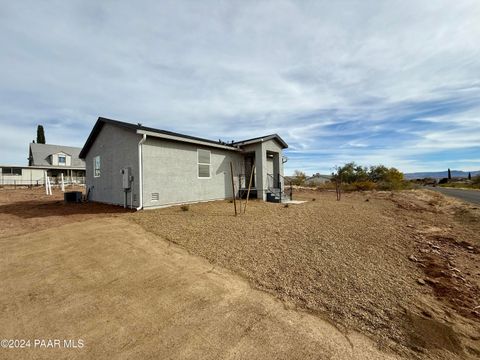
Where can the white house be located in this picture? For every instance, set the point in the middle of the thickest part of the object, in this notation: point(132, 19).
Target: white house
point(56, 160)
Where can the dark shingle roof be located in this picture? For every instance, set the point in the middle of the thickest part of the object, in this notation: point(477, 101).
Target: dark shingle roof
point(262, 138)
point(40, 154)
point(101, 121)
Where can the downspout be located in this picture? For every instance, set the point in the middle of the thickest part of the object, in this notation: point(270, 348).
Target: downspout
point(140, 171)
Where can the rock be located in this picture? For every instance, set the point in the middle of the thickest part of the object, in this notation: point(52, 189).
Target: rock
point(410, 226)
point(421, 281)
point(431, 281)
point(412, 258)
point(427, 313)
point(470, 247)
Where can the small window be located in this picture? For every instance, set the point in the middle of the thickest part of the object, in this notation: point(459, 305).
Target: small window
point(12, 171)
point(203, 163)
point(62, 160)
point(96, 166)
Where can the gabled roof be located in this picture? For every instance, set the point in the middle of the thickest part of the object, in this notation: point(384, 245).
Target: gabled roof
point(262, 139)
point(40, 153)
point(139, 129)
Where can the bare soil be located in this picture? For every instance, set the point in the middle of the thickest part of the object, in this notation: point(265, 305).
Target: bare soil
point(129, 294)
point(401, 267)
point(25, 210)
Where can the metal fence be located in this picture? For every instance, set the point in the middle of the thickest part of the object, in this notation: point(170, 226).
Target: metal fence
point(55, 181)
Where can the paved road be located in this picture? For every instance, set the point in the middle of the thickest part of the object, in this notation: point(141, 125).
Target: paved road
point(472, 196)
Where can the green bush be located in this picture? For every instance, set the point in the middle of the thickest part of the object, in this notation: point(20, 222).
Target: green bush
point(361, 178)
point(364, 185)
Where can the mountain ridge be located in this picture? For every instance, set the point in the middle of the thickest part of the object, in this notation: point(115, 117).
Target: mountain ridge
point(439, 174)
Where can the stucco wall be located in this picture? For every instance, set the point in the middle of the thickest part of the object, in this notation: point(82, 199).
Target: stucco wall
point(118, 148)
point(262, 165)
point(171, 170)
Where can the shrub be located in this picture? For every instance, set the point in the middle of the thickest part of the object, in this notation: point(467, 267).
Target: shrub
point(476, 180)
point(298, 178)
point(359, 178)
point(184, 207)
point(364, 185)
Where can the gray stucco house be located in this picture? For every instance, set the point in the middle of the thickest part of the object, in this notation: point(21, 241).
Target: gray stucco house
point(133, 165)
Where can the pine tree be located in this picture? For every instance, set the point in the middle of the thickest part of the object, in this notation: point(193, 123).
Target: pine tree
point(449, 174)
point(40, 135)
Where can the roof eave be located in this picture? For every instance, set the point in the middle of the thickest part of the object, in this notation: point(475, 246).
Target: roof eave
point(263, 139)
point(187, 140)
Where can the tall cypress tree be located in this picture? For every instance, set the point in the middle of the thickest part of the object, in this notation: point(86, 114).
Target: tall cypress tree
point(449, 174)
point(469, 176)
point(40, 135)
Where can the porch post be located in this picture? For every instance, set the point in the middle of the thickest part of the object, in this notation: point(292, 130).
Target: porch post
point(261, 171)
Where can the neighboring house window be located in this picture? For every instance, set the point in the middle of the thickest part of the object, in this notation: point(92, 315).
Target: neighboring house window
point(62, 159)
point(203, 163)
point(96, 166)
point(12, 171)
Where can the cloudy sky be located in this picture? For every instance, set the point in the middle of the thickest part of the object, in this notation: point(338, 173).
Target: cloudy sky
point(392, 82)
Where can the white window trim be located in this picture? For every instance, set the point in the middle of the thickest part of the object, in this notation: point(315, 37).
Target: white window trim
point(64, 157)
point(209, 165)
point(94, 166)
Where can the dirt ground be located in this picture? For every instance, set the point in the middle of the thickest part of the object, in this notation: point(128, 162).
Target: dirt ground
point(403, 268)
point(29, 209)
point(373, 275)
point(125, 293)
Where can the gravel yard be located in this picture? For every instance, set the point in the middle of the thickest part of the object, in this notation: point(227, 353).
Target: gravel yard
point(358, 262)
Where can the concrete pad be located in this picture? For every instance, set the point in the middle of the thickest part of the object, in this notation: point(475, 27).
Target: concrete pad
point(130, 294)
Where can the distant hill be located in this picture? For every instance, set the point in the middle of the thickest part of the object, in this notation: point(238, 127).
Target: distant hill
point(439, 174)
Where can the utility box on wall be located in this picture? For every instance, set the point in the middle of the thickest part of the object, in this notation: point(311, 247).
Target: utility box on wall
point(127, 178)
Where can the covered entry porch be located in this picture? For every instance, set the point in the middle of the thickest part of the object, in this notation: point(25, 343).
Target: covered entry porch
point(262, 177)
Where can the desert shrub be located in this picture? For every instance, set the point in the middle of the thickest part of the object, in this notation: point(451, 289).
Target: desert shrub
point(443, 181)
point(298, 178)
point(359, 178)
point(350, 173)
point(364, 185)
point(184, 207)
point(476, 180)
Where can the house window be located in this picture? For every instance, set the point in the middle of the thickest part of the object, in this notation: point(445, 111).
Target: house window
point(12, 171)
point(203, 163)
point(96, 166)
point(62, 159)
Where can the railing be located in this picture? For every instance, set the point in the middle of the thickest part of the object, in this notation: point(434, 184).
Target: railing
point(280, 186)
point(286, 184)
point(67, 180)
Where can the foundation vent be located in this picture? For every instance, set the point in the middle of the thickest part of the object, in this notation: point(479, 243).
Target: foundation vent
point(155, 197)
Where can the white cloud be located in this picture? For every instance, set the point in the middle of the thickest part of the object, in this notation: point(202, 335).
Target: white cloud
point(236, 69)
